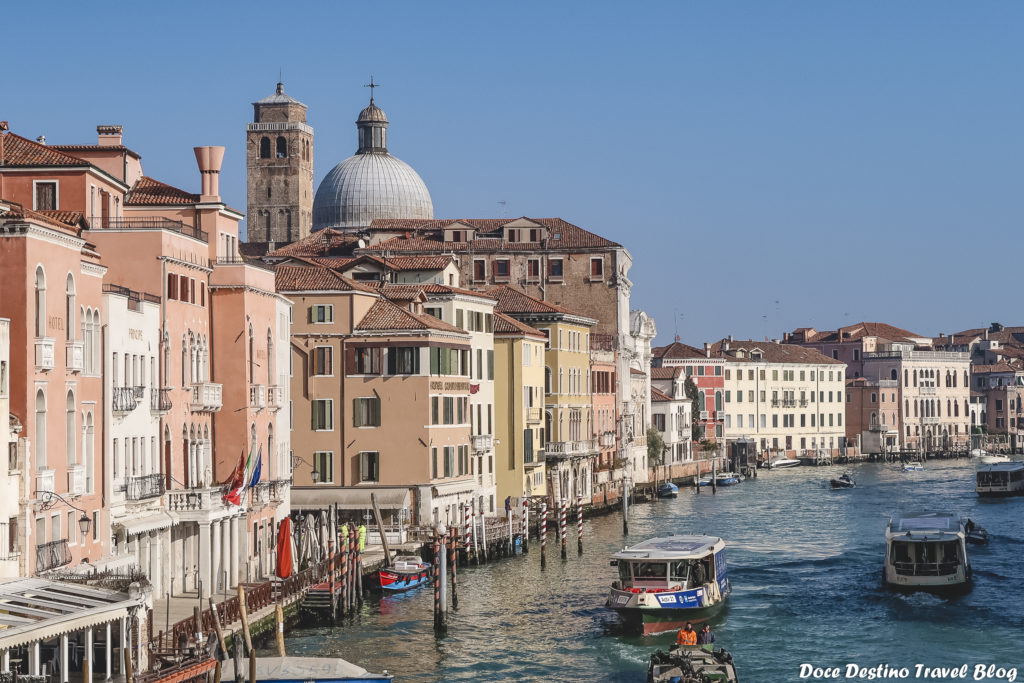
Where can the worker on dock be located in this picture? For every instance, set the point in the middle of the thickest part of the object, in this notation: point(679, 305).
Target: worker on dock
point(687, 636)
point(362, 536)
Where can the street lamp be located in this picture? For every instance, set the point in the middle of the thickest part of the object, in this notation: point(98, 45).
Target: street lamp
point(49, 498)
point(314, 475)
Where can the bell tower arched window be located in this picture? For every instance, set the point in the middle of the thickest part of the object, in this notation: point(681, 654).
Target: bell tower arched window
point(264, 148)
point(282, 147)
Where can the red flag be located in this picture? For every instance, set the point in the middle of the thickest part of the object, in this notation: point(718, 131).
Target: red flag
point(234, 485)
point(284, 549)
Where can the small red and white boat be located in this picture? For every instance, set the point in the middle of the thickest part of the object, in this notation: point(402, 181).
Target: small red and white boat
point(408, 571)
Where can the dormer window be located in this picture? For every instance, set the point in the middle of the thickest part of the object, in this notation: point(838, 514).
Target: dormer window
point(755, 355)
point(512, 236)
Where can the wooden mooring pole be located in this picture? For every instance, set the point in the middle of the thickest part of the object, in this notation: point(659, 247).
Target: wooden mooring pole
point(453, 554)
point(438, 616)
point(279, 618)
point(579, 525)
point(526, 526)
point(543, 534)
point(243, 614)
point(561, 527)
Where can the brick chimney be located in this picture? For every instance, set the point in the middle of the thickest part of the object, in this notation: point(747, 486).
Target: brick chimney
point(707, 349)
point(209, 160)
point(109, 136)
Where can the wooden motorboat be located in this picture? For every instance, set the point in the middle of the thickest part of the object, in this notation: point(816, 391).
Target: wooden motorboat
point(407, 571)
point(668, 490)
point(691, 664)
point(844, 481)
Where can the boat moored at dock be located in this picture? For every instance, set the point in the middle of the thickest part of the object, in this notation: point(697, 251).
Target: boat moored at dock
point(668, 490)
point(665, 582)
point(306, 670)
point(1000, 479)
point(926, 551)
point(407, 571)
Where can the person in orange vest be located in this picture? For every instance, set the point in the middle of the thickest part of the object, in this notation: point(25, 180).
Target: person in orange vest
point(687, 636)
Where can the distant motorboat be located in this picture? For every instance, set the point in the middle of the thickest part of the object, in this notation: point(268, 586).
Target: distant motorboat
point(728, 479)
point(974, 533)
point(668, 490)
point(783, 462)
point(845, 481)
point(913, 466)
point(993, 458)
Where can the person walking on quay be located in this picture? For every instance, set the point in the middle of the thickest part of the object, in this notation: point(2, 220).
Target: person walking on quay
point(706, 637)
point(687, 636)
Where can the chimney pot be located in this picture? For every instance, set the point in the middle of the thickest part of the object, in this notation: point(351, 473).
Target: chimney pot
point(209, 159)
point(109, 136)
point(707, 349)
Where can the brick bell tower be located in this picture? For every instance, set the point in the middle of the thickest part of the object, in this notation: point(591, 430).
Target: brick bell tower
point(279, 171)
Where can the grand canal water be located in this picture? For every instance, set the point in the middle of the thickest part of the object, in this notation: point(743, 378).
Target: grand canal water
point(805, 565)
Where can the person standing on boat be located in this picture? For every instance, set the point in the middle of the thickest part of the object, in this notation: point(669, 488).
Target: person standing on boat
point(697, 575)
point(687, 636)
point(706, 637)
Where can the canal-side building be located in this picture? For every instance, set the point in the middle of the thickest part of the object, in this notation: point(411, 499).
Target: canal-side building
point(706, 372)
point(52, 294)
point(380, 399)
point(785, 398)
point(873, 415)
point(12, 481)
point(605, 409)
point(671, 416)
point(518, 409)
point(569, 447)
point(636, 412)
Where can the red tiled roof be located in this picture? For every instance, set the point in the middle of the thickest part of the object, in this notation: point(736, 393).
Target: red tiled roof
point(660, 396)
point(560, 235)
point(512, 300)
point(384, 315)
point(312, 278)
point(670, 372)
point(434, 288)
point(95, 148)
point(335, 262)
point(990, 369)
point(771, 352)
point(861, 330)
point(327, 242)
point(677, 350)
point(150, 192)
point(19, 151)
point(504, 325)
point(398, 292)
point(19, 213)
point(73, 218)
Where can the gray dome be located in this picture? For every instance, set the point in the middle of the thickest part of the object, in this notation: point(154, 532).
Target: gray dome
point(367, 186)
point(370, 184)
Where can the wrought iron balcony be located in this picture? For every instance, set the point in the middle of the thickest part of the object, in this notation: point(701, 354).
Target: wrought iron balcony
point(44, 354)
point(207, 397)
point(145, 487)
point(148, 223)
point(75, 351)
point(276, 397)
point(52, 555)
point(160, 399)
point(482, 442)
point(124, 399)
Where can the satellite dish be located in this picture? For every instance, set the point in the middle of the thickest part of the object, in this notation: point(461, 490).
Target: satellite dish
point(361, 243)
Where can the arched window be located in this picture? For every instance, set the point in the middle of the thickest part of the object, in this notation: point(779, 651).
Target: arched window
point(282, 147)
point(40, 299)
point(88, 452)
point(547, 380)
point(949, 408)
point(915, 378)
point(893, 374)
point(70, 435)
point(874, 419)
point(40, 429)
point(966, 382)
point(264, 148)
point(906, 377)
point(69, 307)
point(954, 378)
point(96, 364)
point(184, 361)
point(718, 400)
point(167, 361)
point(956, 405)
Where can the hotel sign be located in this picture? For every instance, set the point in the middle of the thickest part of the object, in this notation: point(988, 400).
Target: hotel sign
point(449, 386)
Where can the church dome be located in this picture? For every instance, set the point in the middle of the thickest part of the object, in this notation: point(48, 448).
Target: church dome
point(371, 183)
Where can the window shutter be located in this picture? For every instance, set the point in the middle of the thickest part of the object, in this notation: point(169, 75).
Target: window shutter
point(350, 361)
point(375, 406)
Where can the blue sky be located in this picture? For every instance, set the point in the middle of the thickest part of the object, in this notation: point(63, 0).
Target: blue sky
point(769, 165)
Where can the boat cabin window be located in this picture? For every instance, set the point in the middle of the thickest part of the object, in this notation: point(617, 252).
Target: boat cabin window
point(649, 570)
point(927, 558)
point(679, 571)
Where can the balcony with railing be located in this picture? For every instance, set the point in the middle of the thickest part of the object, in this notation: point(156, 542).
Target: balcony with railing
point(534, 415)
point(559, 449)
point(44, 354)
point(258, 396)
point(482, 442)
point(259, 495)
point(276, 397)
point(933, 420)
point(194, 500)
point(148, 223)
point(124, 400)
point(52, 555)
point(76, 479)
point(207, 397)
point(8, 547)
point(145, 487)
point(75, 355)
point(278, 489)
point(928, 391)
point(160, 399)
point(607, 440)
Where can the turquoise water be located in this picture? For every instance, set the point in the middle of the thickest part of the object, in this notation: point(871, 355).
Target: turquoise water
point(805, 566)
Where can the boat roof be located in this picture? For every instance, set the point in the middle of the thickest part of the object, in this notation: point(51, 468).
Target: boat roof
point(1001, 467)
point(925, 521)
point(671, 548)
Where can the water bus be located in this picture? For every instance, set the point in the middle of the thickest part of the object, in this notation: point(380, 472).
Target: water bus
point(926, 551)
point(665, 582)
point(1000, 479)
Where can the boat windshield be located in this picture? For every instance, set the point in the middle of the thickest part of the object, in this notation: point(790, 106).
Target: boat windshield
point(928, 558)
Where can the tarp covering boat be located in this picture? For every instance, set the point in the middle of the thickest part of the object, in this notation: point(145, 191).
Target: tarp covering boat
point(304, 670)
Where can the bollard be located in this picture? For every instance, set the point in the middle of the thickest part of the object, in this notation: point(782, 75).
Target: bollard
point(561, 527)
point(525, 526)
point(579, 525)
point(543, 534)
point(455, 588)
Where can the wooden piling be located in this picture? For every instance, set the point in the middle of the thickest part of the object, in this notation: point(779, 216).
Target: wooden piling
point(526, 526)
point(343, 578)
point(129, 676)
point(243, 614)
point(239, 676)
point(252, 666)
point(217, 672)
point(453, 554)
point(579, 525)
point(625, 508)
point(467, 532)
point(218, 629)
point(359, 573)
point(561, 526)
point(438, 618)
point(279, 618)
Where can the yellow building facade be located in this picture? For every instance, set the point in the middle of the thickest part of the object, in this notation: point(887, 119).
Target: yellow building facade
point(519, 409)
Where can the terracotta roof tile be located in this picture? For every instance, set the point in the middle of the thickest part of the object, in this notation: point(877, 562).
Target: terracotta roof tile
point(671, 372)
point(677, 350)
point(511, 300)
point(19, 213)
point(19, 151)
point(327, 242)
point(150, 192)
point(861, 330)
point(312, 278)
point(504, 325)
point(429, 235)
point(384, 315)
point(771, 352)
point(991, 369)
point(660, 396)
point(73, 218)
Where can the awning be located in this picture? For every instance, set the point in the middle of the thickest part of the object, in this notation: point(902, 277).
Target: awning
point(349, 498)
point(141, 525)
point(37, 609)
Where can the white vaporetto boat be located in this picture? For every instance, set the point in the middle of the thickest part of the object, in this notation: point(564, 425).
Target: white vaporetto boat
point(926, 551)
point(1000, 479)
point(665, 582)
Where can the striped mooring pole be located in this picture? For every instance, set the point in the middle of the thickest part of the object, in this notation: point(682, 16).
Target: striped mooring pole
point(561, 526)
point(543, 534)
point(579, 525)
point(465, 507)
point(526, 525)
